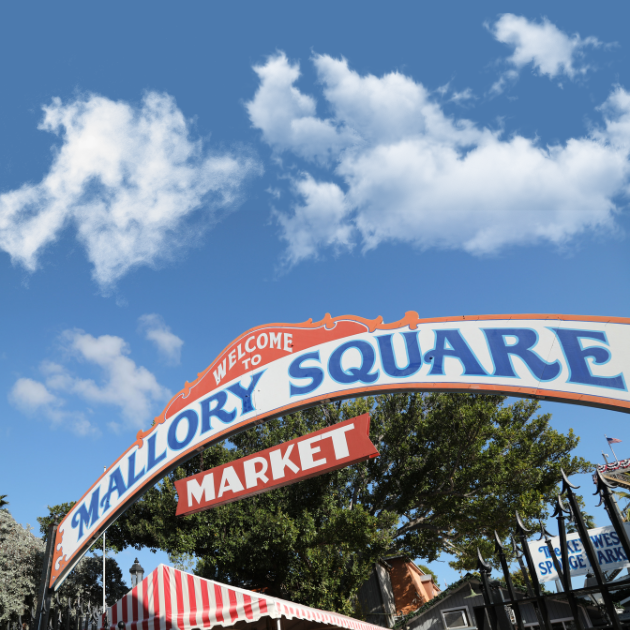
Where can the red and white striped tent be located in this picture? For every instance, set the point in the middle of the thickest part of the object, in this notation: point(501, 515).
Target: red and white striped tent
point(169, 599)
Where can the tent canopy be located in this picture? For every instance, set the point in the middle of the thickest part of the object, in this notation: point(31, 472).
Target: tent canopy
point(169, 599)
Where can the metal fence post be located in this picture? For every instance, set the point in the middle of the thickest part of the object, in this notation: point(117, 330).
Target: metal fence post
point(498, 547)
point(605, 494)
point(484, 570)
point(567, 488)
point(542, 605)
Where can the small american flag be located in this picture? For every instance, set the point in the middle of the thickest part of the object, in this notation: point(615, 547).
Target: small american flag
point(613, 441)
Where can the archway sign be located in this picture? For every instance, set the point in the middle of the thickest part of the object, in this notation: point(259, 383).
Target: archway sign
point(279, 368)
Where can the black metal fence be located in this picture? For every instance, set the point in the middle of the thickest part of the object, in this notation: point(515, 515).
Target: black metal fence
point(499, 613)
point(69, 614)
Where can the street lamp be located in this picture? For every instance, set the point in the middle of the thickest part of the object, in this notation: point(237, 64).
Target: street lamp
point(137, 573)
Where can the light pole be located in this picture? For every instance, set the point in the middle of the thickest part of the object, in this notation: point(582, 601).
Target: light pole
point(137, 573)
point(104, 600)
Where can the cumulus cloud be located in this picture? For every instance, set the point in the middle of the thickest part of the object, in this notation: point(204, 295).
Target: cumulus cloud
point(168, 344)
point(133, 389)
point(30, 395)
point(398, 169)
point(126, 178)
point(33, 398)
point(549, 50)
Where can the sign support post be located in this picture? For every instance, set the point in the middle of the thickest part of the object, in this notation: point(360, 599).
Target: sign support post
point(44, 593)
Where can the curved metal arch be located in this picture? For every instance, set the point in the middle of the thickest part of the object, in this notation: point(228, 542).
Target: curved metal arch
point(280, 368)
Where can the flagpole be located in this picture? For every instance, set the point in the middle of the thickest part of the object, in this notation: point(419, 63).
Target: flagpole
point(611, 448)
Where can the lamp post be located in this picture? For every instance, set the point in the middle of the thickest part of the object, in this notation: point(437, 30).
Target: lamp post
point(137, 573)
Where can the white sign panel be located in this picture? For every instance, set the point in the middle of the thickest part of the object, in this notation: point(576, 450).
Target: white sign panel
point(278, 368)
point(610, 553)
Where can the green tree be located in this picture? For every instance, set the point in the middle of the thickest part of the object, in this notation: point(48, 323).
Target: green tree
point(453, 467)
point(3, 500)
point(55, 515)
point(86, 581)
point(21, 556)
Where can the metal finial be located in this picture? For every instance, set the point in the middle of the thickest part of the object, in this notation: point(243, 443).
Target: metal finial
point(515, 548)
point(544, 532)
point(520, 525)
point(601, 483)
point(561, 509)
point(566, 484)
point(482, 564)
point(498, 546)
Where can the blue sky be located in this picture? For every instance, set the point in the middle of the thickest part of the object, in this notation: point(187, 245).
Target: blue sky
point(170, 177)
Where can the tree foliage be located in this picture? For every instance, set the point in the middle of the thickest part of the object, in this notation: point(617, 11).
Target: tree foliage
point(21, 555)
point(86, 581)
point(453, 467)
point(21, 559)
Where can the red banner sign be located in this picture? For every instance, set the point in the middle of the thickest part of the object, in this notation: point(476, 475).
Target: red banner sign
point(328, 449)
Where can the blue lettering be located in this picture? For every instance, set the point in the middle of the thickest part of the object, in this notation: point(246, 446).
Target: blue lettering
point(579, 368)
point(621, 554)
point(526, 340)
point(610, 556)
point(607, 540)
point(543, 569)
point(116, 484)
point(152, 460)
point(549, 564)
point(193, 422)
point(458, 349)
point(573, 562)
point(246, 394)
point(545, 550)
point(601, 558)
point(131, 474)
point(353, 375)
point(314, 373)
point(86, 517)
point(208, 412)
point(614, 537)
point(389, 360)
point(580, 560)
point(597, 540)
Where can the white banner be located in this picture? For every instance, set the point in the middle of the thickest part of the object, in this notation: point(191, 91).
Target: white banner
point(610, 553)
point(278, 368)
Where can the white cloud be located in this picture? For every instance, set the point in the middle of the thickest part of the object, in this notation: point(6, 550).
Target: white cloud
point(320, 221)
point(133, 389)
point(461, 97)
point(168, 344)
point(33, 398)
point(287, 117)
point(400, 170)
point(550, 51)
point(29, 395)
point(127, 178)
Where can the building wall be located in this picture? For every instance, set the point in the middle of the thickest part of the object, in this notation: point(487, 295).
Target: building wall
point(432, 618)
point(411, 586)
point(376, 597)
